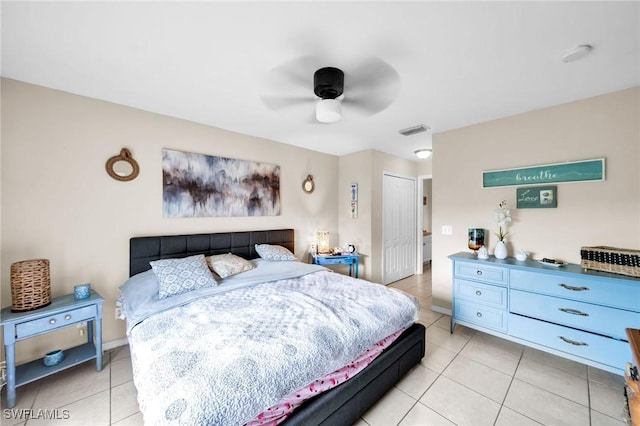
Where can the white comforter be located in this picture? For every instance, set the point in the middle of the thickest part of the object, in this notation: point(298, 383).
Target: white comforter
point(224, 358)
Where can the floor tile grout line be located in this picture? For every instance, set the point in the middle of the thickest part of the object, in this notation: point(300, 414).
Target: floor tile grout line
point(557, 368)
point(589, 397)
point(110, 385)
point(587, 406)
point(513, 377)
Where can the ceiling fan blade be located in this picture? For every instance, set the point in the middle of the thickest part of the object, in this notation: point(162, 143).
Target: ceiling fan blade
point(290, 84)
point(371, 87)
point(278, 103)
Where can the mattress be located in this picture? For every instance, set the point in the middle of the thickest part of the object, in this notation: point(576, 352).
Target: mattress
point(227, 354)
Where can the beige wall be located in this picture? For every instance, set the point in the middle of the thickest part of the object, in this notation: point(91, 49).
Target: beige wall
point(366, 168)
point(58, 202)
point(589, 213)
point(356, 168)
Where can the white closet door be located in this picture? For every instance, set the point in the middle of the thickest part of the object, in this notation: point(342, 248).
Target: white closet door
point(398, 227)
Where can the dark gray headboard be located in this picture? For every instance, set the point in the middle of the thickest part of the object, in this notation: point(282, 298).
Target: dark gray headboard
point(143, 250)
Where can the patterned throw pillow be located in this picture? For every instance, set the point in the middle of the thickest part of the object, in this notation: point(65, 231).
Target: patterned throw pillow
point(273, 252)
point(177, 276)
point(228, 264)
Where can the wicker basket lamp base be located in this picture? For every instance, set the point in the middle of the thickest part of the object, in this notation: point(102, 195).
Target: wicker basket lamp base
point(30, 285)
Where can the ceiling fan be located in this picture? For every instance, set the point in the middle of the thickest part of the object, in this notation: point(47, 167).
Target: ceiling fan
point(328, 85)
point(370, 88)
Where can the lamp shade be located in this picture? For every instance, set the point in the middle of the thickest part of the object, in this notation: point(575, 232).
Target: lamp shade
point(323, 242)
point(423, 153)
point(328, 110)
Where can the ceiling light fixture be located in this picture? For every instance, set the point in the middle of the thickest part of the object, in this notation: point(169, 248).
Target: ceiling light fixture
point(576, 53)
point(413, 130)
point(328, 110)
point(423, 154)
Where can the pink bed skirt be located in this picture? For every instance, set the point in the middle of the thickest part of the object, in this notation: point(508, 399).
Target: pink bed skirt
point(283, 409)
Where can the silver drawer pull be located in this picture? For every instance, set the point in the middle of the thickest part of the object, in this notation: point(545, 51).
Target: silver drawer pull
point(479, 314)
point(67, 317)
point(568, 287)
point(478, 272)
point(573, 342)
point(52, 321)
point(478, 293)
point(573, 312)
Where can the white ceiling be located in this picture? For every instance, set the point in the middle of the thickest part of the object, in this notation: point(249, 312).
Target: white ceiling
point(457, 63)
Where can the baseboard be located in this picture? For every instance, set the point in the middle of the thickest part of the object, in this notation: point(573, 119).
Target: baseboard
point(107, 346)
point(441, 310)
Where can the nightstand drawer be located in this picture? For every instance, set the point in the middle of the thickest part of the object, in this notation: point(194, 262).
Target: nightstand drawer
point(45, 324)
point(479, 272)
point(481, 315)
point(482, 293)
point(334, 260)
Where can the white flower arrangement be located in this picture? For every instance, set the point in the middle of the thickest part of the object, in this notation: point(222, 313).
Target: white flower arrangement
point(502, 216)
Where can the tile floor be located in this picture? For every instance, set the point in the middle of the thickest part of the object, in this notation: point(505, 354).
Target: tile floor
point(466, 378)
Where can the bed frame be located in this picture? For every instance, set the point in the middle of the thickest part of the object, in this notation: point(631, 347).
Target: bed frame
point(341, 405)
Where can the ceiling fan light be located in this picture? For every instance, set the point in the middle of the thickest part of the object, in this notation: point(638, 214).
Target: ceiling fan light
point(328, 110)
point(423, 154)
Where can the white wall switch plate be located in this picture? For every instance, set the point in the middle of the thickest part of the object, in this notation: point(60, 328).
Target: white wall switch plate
point(447, 230)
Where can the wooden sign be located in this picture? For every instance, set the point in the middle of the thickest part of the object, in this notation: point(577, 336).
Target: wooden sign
point(537, 197)
point(574, 171)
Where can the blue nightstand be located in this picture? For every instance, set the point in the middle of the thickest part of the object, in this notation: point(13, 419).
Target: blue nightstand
point(350, 259)
point(63, 312)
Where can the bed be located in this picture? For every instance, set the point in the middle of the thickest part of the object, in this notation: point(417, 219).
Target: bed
point(298, 286)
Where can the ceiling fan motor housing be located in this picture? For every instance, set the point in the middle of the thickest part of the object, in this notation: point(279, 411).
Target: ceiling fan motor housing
point(328, 83)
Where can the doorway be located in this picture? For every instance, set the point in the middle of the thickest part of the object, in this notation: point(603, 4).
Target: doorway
point(398, 227)
point(424, 215)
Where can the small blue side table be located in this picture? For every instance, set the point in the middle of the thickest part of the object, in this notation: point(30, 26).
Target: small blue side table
point(63, 312)
point(350, 259)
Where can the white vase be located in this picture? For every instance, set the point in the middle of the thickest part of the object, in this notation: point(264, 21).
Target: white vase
point(501, 250)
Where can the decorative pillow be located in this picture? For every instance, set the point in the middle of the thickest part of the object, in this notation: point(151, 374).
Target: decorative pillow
point(228, 264)
point(273, 252)
point(177, 276)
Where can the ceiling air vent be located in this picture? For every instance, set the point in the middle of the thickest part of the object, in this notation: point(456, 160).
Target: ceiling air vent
point(413, 130)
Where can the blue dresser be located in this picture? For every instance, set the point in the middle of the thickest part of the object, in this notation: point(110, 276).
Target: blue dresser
point(568, 311)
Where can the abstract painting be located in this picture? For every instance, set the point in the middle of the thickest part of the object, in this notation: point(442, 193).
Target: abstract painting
point(197, 185)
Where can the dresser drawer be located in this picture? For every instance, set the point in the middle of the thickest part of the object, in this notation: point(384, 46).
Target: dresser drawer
point(605, 350)
point(483, 316)
point(481, 272)
point(615, 293)
point(585, 316)
point(486, 294)
point(45, 324)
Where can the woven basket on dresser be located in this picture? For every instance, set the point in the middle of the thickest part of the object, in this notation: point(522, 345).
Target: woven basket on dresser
point(611, 259)
point(30, 285)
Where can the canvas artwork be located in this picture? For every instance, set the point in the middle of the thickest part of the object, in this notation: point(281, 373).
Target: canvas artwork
point(198, 185)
